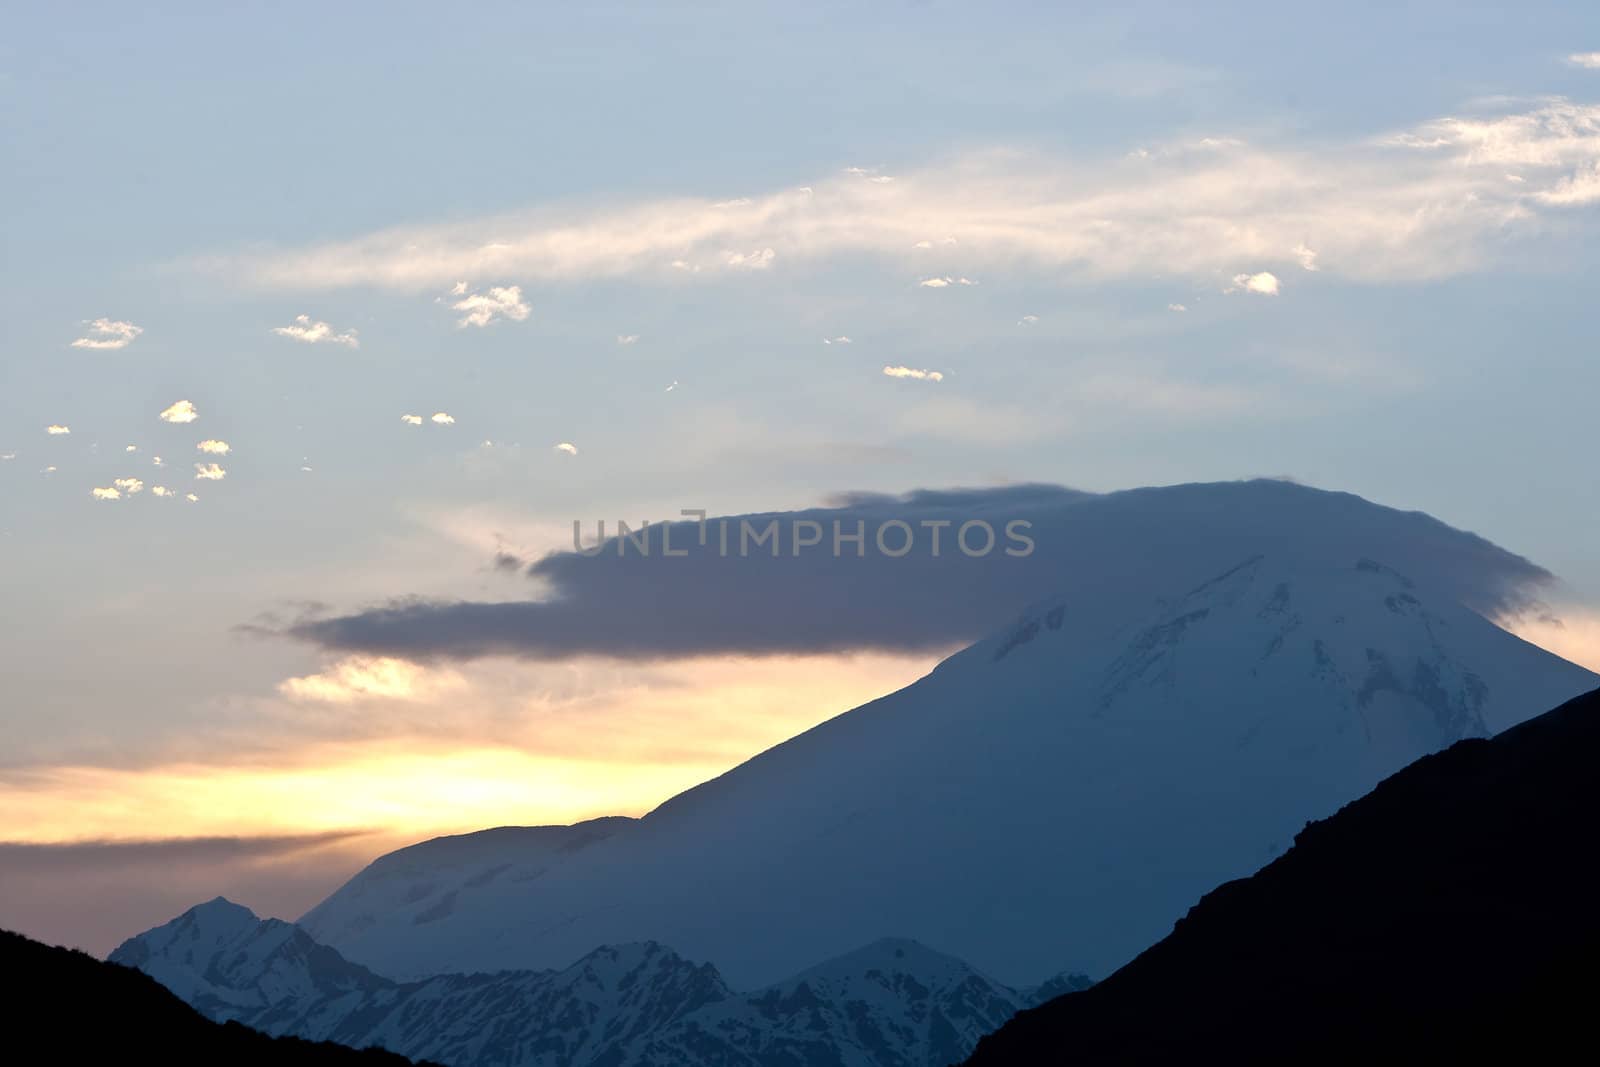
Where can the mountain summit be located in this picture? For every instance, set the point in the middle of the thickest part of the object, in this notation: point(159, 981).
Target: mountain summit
point(1050, 798)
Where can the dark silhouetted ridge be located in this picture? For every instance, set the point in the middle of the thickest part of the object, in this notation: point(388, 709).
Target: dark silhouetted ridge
point(65, 1006)
point(1453, 913)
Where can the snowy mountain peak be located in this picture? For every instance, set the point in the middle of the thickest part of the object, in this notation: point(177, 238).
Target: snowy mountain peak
point(1052, 797)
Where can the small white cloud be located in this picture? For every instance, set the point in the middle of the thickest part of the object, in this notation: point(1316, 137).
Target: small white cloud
point(673, 386)
point(760, 259)
point(108, 333)
point(131, 448)
point(458, 289)
point(923, 244)
point(1517, 178)
point(209, 472)
point(306, 469)
point(128, 485)
point(443, 418)
point(1586, 60)
point(1306, 256)
point(500, 302)
point(1028, 320)
point(48, 470)
point(214, 448)
point(158, 461)
point(1265, 284)
point(742, 201)
point(914, 373)
point(411, 420)
point(840, 340)
point(57, 431)
point(182, 411)
point(944, 282)
point(311, 332)
point(571, 449)
point(161, 490)
point(684, 265)
point(106, 493)
point(190, 497)
point(7, 457)
point(627, 338)
point(1177, 307)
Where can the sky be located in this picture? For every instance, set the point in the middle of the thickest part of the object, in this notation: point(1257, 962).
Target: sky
point(312, 309)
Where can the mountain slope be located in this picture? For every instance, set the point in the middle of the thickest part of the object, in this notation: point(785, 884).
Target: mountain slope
point(891, 1004)
point(1448, 915)
point(1049, 797)
point(68, 1007)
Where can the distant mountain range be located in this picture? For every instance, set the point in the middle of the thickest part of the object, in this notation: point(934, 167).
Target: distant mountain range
point(1046, 800)
point(1050, 797)
point(64, 1006)
point(1450, 916)
point(891, 1004)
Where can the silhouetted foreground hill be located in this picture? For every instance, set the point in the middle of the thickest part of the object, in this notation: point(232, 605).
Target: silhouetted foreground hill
point(64, 1006)
point(1453, 913)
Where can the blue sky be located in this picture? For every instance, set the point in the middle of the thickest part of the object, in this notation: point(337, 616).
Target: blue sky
point(1348, 244)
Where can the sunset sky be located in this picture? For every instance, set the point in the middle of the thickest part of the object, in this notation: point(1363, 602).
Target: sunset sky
point(313, 308)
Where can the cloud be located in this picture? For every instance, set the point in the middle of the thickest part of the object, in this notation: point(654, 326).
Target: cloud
point(6, 457)
point(1115, 552)
point(181, 412)
point(1583, 187)
point(944, 282)
point(209, 472)
point(161, 490)
point(106, 493)
point(1306, 256)
point(131, 448)
point(627, 338)
point(840, 340)
point(443, 418)
point(358, 678)
point(191, 498)
point(480, 309)
point(912, 372)
point(56, 430)
point(1264, 284)
point(311, 332)
point(214, 447)
point(1028, 320)
point(571, 449)
point(1177, 307)
point(1586, 60)
point(108, 333)
point(129, 485)
point(411, 420)
point(1423, 202)
point(760, 259)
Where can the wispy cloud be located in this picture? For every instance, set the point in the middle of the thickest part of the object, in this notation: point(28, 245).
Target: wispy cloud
point(311, 332)
point(944, 282)
point(1177, 307)
point(912, 372)
point(108, 333)
point(214, 447)
point(357, 678)
point(627, 338)
point(129, 485)
point(1586, 60)
point(57, 430)
point(840, 340)
point(209, 472)
point(181, 412)
point(499, 302)
point(411, 420)
point(1419, 203)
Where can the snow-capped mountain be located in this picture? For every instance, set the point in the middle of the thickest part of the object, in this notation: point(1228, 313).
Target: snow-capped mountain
point(891, 1004)
point(1052, 797)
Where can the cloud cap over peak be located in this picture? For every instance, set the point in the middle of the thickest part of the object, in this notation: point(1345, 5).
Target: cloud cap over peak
point(893, 592)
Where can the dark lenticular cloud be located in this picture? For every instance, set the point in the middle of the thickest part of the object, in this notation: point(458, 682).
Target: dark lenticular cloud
point(1099, 551)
